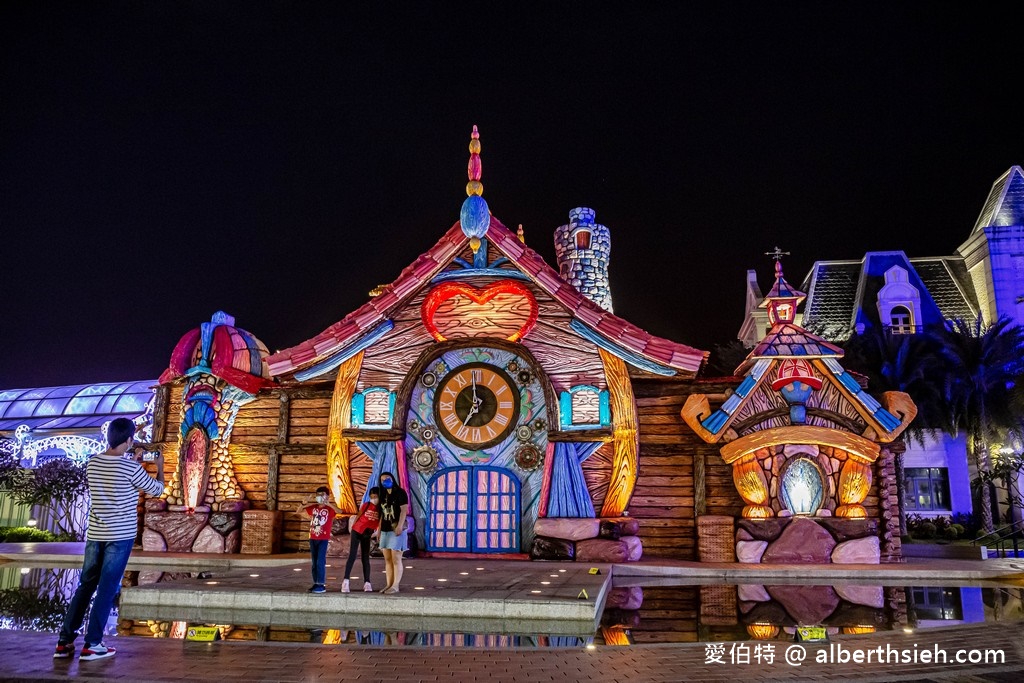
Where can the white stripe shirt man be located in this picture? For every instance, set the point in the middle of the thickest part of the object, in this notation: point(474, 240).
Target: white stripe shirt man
point(114, 485)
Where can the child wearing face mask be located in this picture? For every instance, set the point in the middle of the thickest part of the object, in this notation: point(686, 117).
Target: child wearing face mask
point(321, 513)
point(363, 529)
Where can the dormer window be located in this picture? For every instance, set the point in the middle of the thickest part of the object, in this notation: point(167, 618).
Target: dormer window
point(583, 239)
point(899, 303)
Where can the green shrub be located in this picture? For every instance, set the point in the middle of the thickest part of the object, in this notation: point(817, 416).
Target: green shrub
point(925, 531)
point(950, 533)
point(26, 534)
point(961, 531)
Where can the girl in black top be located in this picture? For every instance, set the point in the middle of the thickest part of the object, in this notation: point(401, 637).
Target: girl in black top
point(394, 537)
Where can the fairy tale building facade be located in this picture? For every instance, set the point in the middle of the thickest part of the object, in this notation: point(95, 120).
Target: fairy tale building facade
point(521, 414)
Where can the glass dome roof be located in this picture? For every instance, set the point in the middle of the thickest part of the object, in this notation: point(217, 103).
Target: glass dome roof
point(70, 407)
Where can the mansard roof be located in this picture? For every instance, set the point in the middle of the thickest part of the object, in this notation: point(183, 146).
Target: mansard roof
point(1005, 203)
point(844, 293)
point(369, 322)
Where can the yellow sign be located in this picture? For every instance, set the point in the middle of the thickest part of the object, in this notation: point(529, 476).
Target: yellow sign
point(811, 634)
point(583, 595)
point(202, 633)
point(595, 570)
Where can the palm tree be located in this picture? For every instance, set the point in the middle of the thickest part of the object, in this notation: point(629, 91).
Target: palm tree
point(983, 366)
point(907, 363)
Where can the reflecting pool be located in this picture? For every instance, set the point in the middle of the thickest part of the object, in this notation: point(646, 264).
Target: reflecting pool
point(636, 611)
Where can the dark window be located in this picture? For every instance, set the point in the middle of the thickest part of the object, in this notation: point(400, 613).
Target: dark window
point(935, 602)
point(926, 488)
point(583, 239)
point(900, 321)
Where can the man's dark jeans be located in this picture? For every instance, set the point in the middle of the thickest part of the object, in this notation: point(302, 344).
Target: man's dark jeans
point(102, 571)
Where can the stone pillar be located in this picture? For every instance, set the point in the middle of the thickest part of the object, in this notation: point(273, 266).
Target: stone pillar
point(889, 506)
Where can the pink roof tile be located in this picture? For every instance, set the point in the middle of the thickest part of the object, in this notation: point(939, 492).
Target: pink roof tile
point(590, 315)
point(419, 272)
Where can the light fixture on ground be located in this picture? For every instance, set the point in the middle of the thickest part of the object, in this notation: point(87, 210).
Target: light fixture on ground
point(32, 521)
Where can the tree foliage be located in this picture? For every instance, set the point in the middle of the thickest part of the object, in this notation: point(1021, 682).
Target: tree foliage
point(57, 485)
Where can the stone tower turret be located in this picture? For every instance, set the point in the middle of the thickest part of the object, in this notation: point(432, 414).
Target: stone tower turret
point(582, 249)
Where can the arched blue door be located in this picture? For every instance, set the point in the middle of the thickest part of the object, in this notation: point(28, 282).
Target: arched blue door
point(473, 509)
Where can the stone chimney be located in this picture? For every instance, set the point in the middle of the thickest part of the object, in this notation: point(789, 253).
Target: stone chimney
point(582, 249)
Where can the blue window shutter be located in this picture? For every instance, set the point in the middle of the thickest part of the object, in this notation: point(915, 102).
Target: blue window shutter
point(604, 406)
point(565, 409)
point(391, 408)
point(358, 410)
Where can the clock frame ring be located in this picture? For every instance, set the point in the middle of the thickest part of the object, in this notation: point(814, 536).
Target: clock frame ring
point(451, 417)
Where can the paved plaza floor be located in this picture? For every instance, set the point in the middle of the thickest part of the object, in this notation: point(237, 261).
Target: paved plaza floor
point(161, 659)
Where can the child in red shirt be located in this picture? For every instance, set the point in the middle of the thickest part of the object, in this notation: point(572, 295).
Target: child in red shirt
point(321, 514)
point(365, 527)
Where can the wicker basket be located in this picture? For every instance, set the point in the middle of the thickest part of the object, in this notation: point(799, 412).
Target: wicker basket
point(716, 540)
point(261, 532)
point(718, 605)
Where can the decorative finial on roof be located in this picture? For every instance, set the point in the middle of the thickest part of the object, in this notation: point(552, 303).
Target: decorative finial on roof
point(783, 298)
point(475, 216)
point(520, 234)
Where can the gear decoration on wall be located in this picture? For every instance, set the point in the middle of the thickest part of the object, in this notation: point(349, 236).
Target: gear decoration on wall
point(524, 433)
point(414, 425)
point(524, 377)
point(539, 425)
point(428, 433)
point(512, 367)
point(424, 459)
point(528, 458)
point(428, 379)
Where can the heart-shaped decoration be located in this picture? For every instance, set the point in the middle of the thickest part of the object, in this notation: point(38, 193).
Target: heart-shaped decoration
point(505, 309)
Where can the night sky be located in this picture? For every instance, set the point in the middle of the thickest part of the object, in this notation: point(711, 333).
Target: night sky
point(163, 160)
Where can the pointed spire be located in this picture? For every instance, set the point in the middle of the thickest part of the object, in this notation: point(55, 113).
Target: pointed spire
point(475, 216)
point(782, 300)
point(520, 234)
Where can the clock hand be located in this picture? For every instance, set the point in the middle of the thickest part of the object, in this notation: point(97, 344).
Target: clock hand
point(472, 411)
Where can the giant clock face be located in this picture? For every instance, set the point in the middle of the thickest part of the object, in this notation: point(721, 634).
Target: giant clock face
point(476, 405)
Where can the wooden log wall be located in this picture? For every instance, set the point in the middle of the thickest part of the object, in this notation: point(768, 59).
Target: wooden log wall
point(278, 447)
point(668, 495)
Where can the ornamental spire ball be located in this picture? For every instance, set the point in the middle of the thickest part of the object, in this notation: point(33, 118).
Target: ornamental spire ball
point(475, 217)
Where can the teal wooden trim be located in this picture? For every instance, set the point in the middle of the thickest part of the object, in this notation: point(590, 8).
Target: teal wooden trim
point(479, 272)
point(603, 405)
point(339, 357)
point(565, 410)
point(633, 359)
point(358, 409)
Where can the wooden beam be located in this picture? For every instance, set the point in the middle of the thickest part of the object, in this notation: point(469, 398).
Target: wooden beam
point(626, 460)
point(338, 466)
point(283, 418)
point(273, 475)
point(160, 407)
point(359, 434)
point(853, 444)
point(700, 497)
point(604, 435)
